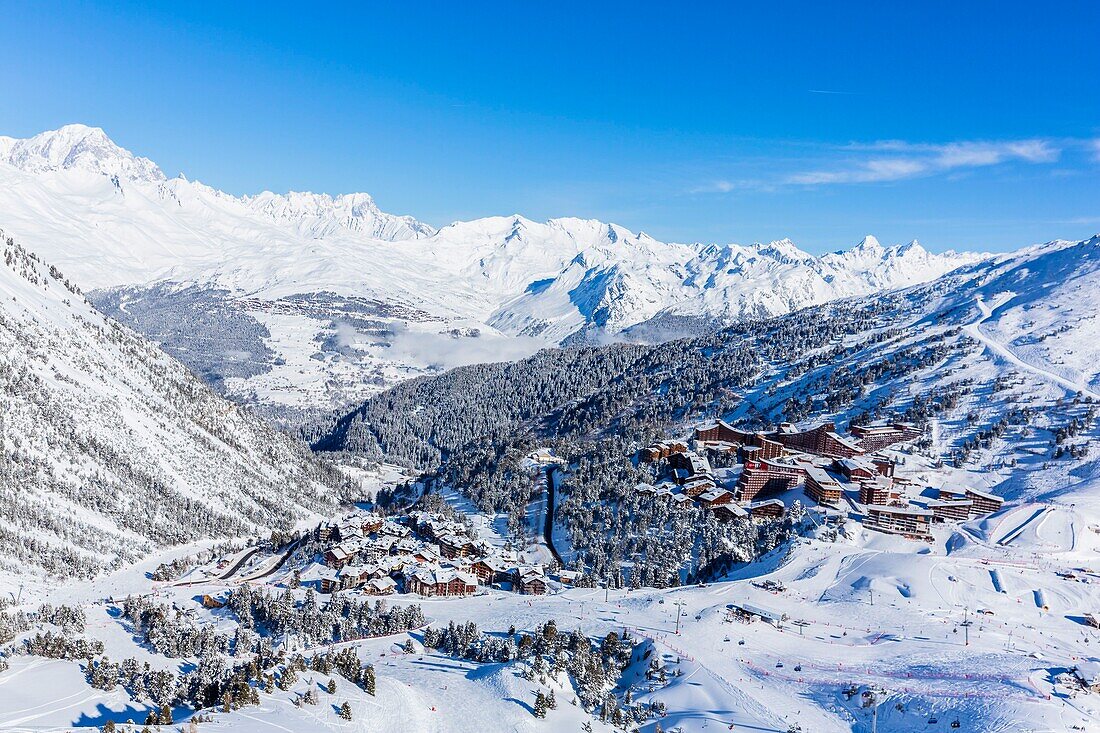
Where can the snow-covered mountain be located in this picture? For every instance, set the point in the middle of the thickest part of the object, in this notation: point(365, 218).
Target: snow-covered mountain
point(109, 448)
point(343, 298)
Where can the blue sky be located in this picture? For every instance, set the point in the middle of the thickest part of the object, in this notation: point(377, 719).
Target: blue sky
point(965, 125)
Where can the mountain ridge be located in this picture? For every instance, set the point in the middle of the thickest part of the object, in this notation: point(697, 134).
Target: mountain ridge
point(502, 285)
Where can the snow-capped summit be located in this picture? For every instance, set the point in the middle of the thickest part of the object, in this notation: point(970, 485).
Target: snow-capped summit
point(500, 275)
point(77, 147)
point(317, 215)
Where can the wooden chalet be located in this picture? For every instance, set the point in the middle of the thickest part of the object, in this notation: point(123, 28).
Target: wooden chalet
point(714, 498)
point(489, 570)
point(767, 509)
point(380, 586)
point(729, 512)
point(855, 469)
point(441, 582)
point(530, 581)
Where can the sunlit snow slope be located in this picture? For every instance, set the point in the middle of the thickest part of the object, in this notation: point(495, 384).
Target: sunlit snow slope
point(336, 298)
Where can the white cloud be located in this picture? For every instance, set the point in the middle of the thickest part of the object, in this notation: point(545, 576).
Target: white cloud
point(913, 160)
point(1095, 145)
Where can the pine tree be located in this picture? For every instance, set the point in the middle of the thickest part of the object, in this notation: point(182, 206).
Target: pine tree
point(109, 727)
point(540, 706)
point(368, 679)
point(331, 686)
point(345, 711)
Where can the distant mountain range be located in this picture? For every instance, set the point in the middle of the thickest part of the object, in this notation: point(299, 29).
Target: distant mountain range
point(322, 300)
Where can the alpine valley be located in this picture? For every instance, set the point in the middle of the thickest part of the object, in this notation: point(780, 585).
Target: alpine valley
point(289, 462)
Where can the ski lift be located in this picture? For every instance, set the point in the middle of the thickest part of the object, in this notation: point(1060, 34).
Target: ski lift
point(741, 643)
point(955, 723)
point(798, 668)
point(933, 720)
point(726, 639)
point(778, 665)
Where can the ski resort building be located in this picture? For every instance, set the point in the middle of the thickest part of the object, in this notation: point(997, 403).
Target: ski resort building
point(877, 436)
point(822, 440)
point(767, 509)
point(771, 476)
point(907, 521)
point(983, 502)
point(878, 490)
point(823, 488)
point(530, 581)
point(950, 511)
point(715, 498)
point(441, 582)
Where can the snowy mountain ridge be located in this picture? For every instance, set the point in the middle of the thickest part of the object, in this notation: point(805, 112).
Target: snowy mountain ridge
point(109, 449)
point(507, 284)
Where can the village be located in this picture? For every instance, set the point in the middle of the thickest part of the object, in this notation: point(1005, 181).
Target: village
point(761, 475)
point(422, 553)
point(842, 476)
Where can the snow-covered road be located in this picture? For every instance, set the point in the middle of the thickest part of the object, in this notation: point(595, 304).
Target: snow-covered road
point(975, 330)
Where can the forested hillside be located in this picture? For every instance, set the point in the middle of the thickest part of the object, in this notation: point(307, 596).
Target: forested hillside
point(110, 448)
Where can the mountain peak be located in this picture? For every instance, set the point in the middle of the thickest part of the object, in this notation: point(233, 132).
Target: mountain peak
point(77, 147)
point(870, 243)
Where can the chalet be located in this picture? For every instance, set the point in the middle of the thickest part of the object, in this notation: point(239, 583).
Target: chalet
point(328, 582)
point(428, 554)
point(340, 555)
point(569, 577)
point(351, 576)
point(380, 586)
point(453, 546)
point(441, 582)
point(983, 502)
point(877, 436)
point(691, 462)
point(662, 450)
point(878, 490)
point(729, 512)
point(681, 501)
point(530, 581)
point(324, 531)
point(393, 529)
point(715, 498)
point(950, 511)
point(490, 570)
point(209, 601)
point(698, 484)
point(907, 521)
point(767, 509)
point(372, 523)
point(823, 488)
